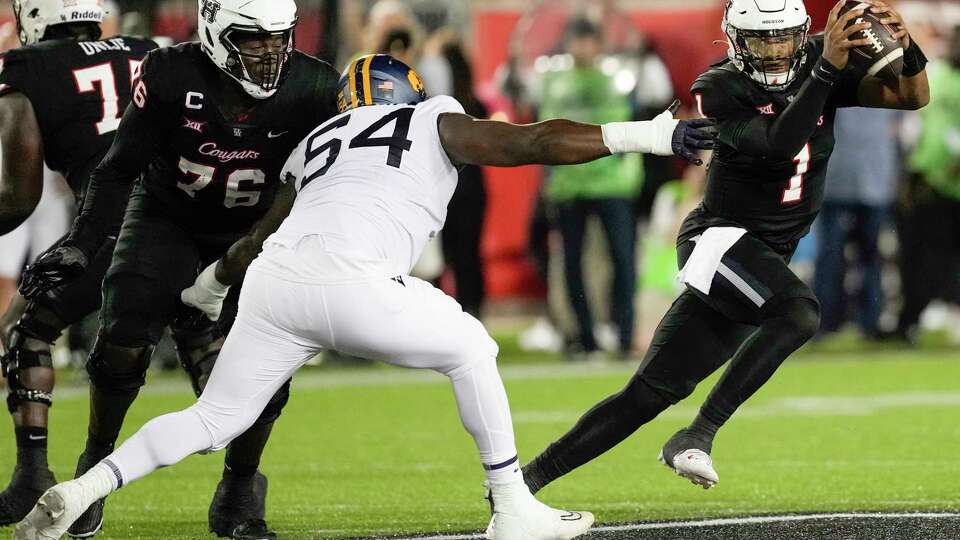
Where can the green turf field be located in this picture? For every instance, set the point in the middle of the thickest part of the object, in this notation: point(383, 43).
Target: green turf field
point(380, 451)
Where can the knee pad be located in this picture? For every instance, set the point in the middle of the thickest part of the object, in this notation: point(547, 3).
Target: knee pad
point(113, 368)
point(197, 349)
point(275, 407)
point(801, 313)
point(29, 347)
point(648, 394)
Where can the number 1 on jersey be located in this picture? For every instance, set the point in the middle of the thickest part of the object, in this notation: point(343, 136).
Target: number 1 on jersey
point(794, 191)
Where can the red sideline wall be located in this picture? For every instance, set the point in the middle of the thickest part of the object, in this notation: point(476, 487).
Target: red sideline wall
point(683, 37)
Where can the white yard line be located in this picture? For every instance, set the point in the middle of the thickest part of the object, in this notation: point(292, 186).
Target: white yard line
point(725, 522)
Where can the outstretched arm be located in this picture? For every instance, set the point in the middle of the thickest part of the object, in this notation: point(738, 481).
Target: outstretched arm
point(470, 141)
point(22, 183)
point(212, 285)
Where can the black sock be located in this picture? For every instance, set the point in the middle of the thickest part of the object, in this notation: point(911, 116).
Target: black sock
point(604, 426)
point(244, 452)
point(703, 428)
point(31, 446)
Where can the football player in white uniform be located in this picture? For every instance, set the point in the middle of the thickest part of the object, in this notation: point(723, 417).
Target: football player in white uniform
point(372, 188)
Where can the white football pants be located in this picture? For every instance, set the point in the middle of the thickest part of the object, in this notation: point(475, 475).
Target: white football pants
point(282, 324)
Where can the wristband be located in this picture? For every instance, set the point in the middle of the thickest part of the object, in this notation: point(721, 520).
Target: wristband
point(647, 137)
point(914, 61)
point(826, 72)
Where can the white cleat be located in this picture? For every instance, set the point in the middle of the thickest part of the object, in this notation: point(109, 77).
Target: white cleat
point(694, 465)
point(53, 514)
point(517, 515)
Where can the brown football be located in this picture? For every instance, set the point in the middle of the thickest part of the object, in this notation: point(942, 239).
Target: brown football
point(883, 58)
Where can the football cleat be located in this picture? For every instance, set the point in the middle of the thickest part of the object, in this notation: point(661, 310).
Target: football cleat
point(238, 508)
point(517, 515)
point(26, 487)
point(690, 458)
point(53, 514)
point(90, 522)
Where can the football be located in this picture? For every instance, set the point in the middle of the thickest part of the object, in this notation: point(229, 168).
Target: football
point(883, 58)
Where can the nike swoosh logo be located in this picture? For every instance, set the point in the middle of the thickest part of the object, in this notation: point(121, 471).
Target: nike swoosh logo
point(272, 135)
point(571, 516)
point(35, 438)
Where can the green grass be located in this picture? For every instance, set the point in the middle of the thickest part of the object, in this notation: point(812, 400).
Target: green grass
point(381, 451)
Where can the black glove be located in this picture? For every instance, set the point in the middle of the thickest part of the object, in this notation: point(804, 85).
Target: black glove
point(691, 136)
point(60, 265)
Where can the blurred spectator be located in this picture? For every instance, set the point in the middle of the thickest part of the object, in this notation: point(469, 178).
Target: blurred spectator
point(464, 228)
point(861, 188)
point(605, 188)
point(930, 246)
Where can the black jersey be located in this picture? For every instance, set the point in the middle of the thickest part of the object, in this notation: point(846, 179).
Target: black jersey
point(78, 90)
point(776, 199)
point(218, 174)
point(207, 170)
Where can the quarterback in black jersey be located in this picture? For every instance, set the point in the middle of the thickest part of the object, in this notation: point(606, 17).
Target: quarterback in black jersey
point(210, 125)
point(61, 96)
point(774, 100)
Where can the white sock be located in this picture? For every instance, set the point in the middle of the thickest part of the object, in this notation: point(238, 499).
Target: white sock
point(485, 412)
point(101, 480)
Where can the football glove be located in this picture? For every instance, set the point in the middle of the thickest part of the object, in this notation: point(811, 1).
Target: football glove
point(206, 294)
point(52, 269)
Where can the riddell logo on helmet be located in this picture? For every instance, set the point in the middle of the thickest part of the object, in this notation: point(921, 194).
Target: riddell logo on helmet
point(777, 21)
point(84, 15)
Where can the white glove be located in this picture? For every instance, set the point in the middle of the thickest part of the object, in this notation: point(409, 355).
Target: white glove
point(206, 293)
point(647, 137)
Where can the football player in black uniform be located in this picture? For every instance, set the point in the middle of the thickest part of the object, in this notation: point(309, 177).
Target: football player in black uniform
point(209, 128)
point(61, 96)
point(774, 100)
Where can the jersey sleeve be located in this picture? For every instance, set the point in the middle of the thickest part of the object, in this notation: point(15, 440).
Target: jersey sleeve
point(16, 67)
point(715, 101)
point(293, 168)
point(435, 106)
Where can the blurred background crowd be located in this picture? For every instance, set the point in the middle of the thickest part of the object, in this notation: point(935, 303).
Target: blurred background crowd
point(581, 259)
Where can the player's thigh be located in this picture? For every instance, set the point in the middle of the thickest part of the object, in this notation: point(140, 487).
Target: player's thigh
point(154, 260)
point(751, 276)
point(261, 351)
point(410, 324)
point(691, 342)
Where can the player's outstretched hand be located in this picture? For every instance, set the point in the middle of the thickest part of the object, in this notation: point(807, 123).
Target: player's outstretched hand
point(52, 269)
point(206, 293)
point(836, 41)
point(692, 136)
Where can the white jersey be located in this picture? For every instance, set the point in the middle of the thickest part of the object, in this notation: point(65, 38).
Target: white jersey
point(373, 186)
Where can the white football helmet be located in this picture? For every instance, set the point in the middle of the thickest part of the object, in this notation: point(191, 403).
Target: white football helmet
point(35, 16)
point(766, 39)
point(223, 22)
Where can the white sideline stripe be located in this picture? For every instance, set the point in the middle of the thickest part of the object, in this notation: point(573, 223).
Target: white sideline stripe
point(723, 522)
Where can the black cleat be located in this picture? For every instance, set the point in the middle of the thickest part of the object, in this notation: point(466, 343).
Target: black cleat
point(26, 486)
point(253, 529)
point(238, 508)
point(91, 521)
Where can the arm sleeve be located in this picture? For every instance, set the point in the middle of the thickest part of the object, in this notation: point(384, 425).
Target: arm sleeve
point(777, 137)
point(15, 70)
point(134, 147)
